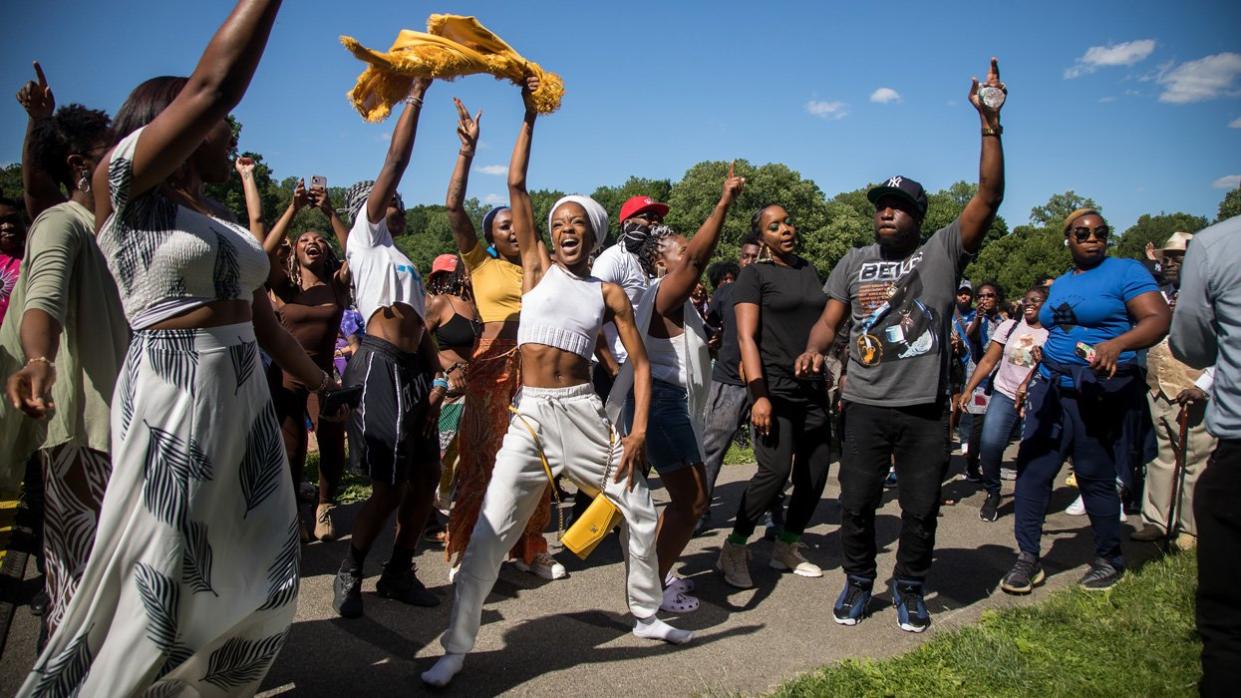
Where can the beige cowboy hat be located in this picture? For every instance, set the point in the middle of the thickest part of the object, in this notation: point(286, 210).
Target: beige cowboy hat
point(1179, 242)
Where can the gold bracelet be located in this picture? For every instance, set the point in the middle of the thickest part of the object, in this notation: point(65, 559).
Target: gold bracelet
point(42, 360)
point(988, 131)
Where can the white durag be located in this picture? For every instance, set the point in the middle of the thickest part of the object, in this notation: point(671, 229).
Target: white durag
point(594, 211)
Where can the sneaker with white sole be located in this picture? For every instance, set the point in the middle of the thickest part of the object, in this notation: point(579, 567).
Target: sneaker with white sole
point(787, 556)
point(734, 562)
point(850, 606)
point(452, 573)
point(544, 565)
point(911, 613)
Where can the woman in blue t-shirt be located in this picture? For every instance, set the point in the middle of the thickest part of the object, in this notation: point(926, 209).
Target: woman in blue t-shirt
point(1087, 400)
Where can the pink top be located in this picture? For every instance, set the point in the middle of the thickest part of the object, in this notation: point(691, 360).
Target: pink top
point(10, 267)
point(1019, 340)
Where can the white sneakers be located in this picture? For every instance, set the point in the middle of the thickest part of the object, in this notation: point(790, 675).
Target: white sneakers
point(544, 565)
point(1078, 508)
point(787, 556)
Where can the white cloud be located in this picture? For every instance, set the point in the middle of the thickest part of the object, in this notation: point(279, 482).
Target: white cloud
point(1235, 123)
point(834, 111)
point(1203, 79)
point(1106, 100)
point(1126, 53)
point(493, 169)
point(1228, 182)
point(885, 95)
point(493, 199)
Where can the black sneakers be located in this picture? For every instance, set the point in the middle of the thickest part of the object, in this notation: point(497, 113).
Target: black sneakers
point(990, 510)
point(850, 606)
point(403, 585)
point(347, 593)
point(1102, 575)
point(911, 613)
point(1026, 574)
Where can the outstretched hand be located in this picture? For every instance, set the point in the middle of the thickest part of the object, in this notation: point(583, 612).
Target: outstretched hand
point(300, 197)
point(528, 89)
point(36, 97)
point(244, 166)
point(733, 185)
point(988, 112)
point(467, 128)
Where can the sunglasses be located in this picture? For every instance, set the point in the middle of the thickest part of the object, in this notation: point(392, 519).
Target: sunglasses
point(649, 217)
point(1083, 234)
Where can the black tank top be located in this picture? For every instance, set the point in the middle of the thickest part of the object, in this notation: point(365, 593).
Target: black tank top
point(458, 333)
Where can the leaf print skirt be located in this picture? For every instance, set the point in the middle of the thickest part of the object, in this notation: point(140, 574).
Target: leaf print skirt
point(192, 581)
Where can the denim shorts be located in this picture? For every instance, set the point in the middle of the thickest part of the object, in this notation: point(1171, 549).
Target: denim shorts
point(670, 441)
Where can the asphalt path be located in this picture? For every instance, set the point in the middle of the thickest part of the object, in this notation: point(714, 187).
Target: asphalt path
point(572, 636)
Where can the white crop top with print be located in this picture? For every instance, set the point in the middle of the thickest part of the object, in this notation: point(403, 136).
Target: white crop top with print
point(168, 258)
point(382, 274)
point(563, 311)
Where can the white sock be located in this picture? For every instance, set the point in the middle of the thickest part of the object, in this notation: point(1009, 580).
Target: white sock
point(445, 668)
point(655, 629)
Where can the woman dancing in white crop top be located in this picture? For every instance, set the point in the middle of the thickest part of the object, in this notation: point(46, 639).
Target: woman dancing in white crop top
point(562, 310)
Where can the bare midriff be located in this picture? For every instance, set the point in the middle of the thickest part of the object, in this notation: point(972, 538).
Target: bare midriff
point(548, 367)
point(399, 325)
point(501, 329)
point(213, 314)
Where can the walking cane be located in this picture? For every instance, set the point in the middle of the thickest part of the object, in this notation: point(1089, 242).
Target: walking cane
point(1178, 476)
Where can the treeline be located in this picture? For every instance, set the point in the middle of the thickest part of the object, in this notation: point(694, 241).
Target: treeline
point(826, 226)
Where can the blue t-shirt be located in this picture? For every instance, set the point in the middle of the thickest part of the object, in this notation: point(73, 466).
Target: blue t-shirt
point(1090, 308)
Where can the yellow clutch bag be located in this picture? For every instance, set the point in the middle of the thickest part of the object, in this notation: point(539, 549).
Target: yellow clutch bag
point(591, 527)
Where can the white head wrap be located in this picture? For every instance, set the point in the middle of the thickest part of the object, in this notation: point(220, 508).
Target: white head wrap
point(594, 211)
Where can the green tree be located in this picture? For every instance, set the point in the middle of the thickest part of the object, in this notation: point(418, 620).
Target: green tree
point(1230, 206)
point(11, 181)
point(946, 205)
point(1017, 259)
point(1058, 207)
point(1156, 229)
point(694, 197)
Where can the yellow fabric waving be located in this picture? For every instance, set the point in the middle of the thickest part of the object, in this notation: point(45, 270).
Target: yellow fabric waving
point(453, 46)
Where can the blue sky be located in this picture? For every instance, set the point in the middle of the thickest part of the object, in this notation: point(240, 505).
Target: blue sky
point(1136, 104)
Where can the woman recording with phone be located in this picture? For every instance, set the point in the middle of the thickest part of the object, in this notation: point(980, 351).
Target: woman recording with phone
point(1088, 399)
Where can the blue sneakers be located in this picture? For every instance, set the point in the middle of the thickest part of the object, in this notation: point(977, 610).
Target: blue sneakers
point(911, 613)
point(850, 606)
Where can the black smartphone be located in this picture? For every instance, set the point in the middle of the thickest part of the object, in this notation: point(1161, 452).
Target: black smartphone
point(333, 400)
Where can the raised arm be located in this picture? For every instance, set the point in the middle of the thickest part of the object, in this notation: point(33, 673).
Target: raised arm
point(216, 86)
point(822, 335)
point(678, 285)
point(322, 200)
point(981, 209)
point(278, 231)
point(462, 227)
point(254, 202)
point(399, 152)
point(619, 311)
point(534, 257)
point(39, 188)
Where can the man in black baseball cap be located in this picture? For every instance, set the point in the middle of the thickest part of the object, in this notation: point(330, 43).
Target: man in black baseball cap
point(901, 295)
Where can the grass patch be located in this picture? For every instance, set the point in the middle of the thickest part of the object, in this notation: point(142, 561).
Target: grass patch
point(353, 487)
point(739, 455)
point(1136, 640)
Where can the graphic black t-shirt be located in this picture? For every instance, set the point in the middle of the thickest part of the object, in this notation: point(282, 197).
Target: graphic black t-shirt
point(790, 300)
point(729, 358)
point(902, 315)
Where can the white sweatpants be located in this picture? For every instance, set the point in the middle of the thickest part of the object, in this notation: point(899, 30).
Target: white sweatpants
point(576, 437)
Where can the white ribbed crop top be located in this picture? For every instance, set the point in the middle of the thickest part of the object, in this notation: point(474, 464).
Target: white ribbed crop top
point(168, 258)
point(563, 311)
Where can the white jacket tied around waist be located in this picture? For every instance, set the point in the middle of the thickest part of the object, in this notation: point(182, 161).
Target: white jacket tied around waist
point(697, 365)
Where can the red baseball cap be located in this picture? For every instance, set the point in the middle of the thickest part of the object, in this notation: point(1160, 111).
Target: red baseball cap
point(638, 204)
point(444, 262)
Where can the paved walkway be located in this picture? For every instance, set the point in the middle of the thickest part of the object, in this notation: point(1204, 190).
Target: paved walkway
point(571, 636)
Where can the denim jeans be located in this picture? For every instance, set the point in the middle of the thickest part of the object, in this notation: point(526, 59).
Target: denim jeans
point(996, 430)
point(726, 413)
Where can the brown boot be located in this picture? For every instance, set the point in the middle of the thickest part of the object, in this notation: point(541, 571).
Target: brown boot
point(324, 530)
point(1149, 533)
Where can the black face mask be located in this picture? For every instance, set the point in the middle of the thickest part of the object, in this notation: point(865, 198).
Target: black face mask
point(634, 234)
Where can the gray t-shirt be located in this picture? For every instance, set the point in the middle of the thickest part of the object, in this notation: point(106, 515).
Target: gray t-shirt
point(902, 317)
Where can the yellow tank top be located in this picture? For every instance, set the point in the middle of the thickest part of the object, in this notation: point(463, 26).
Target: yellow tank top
point(496, 283)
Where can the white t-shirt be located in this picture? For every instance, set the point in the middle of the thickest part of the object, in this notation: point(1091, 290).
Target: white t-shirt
point(619, 266)
point(382, 274)
point(1019, 340)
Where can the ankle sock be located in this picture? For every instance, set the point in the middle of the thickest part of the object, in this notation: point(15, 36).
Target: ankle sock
point(655, 629)
point(445, 668)
point(787, 537)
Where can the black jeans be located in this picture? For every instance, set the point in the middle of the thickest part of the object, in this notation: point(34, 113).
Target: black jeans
point(1218, 515)
point(799, 443)
point(915, 440)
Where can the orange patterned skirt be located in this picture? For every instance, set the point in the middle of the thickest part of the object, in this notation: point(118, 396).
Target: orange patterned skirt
point(493, 379)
